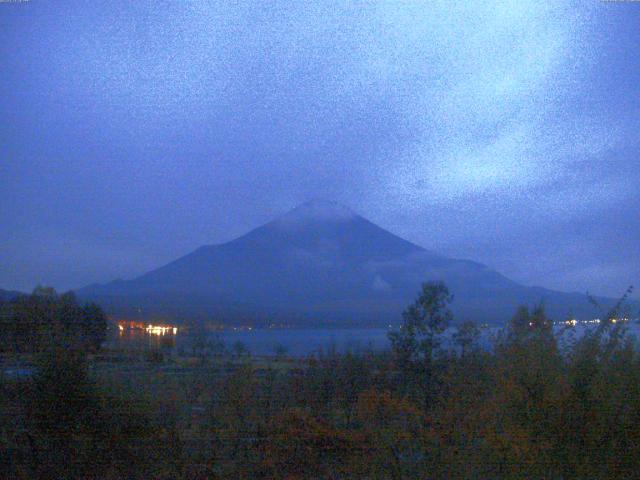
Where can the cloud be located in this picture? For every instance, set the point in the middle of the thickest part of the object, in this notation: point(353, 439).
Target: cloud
point(466, 127)
point(487, 115)
point(380, 284)
point(315, 212)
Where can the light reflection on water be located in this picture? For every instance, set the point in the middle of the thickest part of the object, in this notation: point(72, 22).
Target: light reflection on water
point(139, 339)
point(302, 341)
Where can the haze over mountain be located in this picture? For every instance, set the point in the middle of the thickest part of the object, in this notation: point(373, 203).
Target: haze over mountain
point(321, 263)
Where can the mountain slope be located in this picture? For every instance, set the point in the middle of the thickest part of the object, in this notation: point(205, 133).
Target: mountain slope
point(6, 295)
point(320, 263)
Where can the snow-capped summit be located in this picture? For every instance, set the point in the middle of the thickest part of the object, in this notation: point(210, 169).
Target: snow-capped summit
point(317, 211)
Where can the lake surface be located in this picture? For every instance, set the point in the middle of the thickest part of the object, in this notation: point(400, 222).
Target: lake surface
point(301, 342)
point(307, 341)
point(294, 342)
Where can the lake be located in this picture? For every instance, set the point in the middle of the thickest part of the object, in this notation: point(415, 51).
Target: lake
point(306, 341)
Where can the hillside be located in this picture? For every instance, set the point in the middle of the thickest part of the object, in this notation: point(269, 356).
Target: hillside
point(320, 263)
point(9, 295)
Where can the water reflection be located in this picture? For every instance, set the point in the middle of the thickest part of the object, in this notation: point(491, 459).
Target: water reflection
point(133, 334)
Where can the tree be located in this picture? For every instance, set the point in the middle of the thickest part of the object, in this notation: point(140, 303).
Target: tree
point(239, 348)
point(280, 350)
point(525, 325)
point(424, 321)
point(299, 445)
point(540, 323)
point(218, 348)
point(44, 292)
point(466, 337)
point(61, 410)
point(519, 323)
point(200, 344)
point(31, 321)
point(394, 428)
point(95, 325)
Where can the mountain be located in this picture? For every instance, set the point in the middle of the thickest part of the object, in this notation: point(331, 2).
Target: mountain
point(320, 263)
point(6, 295)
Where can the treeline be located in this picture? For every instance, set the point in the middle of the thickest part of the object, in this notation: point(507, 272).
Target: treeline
point(527, 408)
point(33, 323)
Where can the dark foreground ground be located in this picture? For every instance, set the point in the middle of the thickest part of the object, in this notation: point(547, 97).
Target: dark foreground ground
point(528, 409)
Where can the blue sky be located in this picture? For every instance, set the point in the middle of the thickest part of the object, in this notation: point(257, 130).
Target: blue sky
point(133, 132)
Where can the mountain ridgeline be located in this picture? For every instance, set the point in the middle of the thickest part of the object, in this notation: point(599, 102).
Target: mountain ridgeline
point(320, 264)
point(7, 295)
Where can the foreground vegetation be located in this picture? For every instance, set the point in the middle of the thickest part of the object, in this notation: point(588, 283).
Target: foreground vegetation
point(527, 408)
